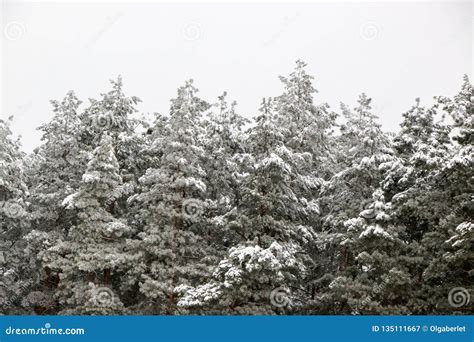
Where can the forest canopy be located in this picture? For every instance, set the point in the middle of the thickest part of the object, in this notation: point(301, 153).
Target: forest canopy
point(305, 209)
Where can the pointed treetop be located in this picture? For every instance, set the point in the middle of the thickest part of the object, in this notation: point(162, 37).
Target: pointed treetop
point(364, 101)
point(186, 103)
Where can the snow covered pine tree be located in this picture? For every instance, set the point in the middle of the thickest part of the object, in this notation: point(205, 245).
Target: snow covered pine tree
point(301, 210)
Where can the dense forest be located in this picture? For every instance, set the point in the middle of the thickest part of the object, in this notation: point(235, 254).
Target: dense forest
point(304, 209)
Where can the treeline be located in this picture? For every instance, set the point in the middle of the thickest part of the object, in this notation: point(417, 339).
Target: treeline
point(302, 210)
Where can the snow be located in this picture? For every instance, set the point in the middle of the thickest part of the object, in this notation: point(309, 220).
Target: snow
point(68, 202)
point(208, 212)
point(376, 230)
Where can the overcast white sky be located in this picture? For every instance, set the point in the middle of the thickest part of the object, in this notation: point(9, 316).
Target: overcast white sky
point(394, 52)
